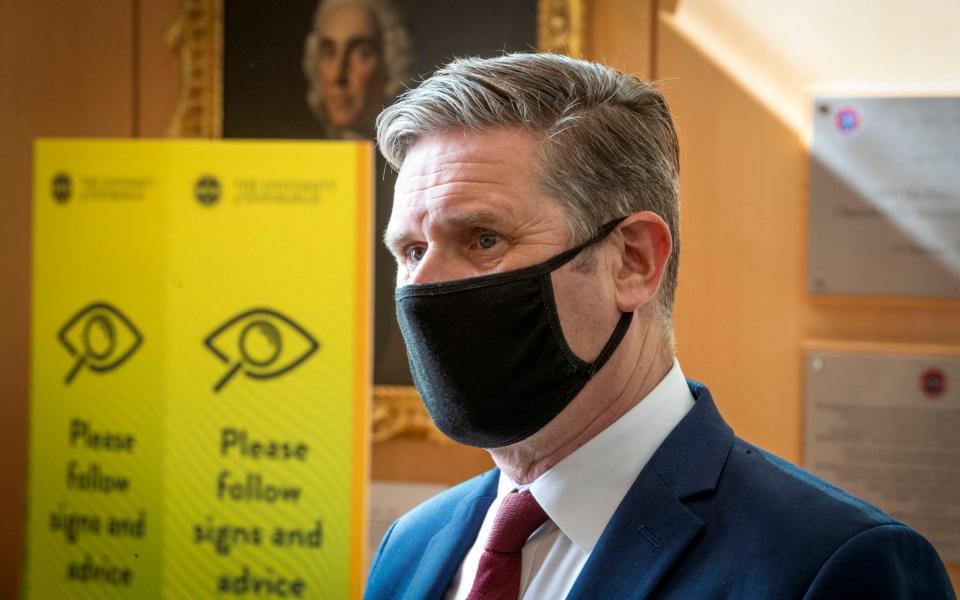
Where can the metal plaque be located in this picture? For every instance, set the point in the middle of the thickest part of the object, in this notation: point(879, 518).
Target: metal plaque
point(885, 197)
point(886, 428)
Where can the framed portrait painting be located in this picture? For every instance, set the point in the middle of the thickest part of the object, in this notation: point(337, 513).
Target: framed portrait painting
point(324, 69)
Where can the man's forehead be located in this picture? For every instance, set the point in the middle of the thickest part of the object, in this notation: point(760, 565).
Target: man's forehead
point(462, 179)
point(496, 158)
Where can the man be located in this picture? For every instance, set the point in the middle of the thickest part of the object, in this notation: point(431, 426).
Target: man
point(535, 231)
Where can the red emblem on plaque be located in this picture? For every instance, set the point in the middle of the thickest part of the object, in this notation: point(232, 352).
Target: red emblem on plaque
point(847, 120)
point(933, 383)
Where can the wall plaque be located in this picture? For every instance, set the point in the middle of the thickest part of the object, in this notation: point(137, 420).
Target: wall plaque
point(884, 428)
point(885, 197)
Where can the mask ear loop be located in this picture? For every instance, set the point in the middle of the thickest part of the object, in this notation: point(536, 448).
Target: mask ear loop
point(615, 338)
point(625, 318)
point(567, 255)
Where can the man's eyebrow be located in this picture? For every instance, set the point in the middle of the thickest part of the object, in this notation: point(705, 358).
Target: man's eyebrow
point(473, 218)
point(358, 41)
point(393, 239)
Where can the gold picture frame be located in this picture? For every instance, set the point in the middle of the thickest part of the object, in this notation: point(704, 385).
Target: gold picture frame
point(197, 36)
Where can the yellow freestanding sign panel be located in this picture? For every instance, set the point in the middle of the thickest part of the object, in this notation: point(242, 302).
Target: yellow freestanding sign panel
point(200, 369)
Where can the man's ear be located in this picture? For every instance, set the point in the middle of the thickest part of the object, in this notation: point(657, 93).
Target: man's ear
point(644, 251)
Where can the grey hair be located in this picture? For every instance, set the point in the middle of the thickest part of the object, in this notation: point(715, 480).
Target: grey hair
point(607, 147)
point(397, 48)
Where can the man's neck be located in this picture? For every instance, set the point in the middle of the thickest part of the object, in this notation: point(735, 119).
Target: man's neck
point(600, 404)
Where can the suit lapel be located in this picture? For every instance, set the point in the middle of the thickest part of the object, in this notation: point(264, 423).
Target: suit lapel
point(449, 546)
point(647, 534)
point(652, 527)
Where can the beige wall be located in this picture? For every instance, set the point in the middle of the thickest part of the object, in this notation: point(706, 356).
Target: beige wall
point(740, 75)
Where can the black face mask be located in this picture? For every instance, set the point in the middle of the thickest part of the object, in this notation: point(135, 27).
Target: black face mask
point(488, 355)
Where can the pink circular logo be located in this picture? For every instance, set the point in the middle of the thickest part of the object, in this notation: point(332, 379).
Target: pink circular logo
point(847, 120)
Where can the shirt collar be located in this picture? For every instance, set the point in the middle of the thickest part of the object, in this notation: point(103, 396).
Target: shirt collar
point(582, 491)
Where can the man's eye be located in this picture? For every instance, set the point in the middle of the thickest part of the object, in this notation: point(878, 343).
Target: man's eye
point(488, 240)
point(415, 253)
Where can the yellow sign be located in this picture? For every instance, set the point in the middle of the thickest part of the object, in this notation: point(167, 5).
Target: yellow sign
point(200, 369)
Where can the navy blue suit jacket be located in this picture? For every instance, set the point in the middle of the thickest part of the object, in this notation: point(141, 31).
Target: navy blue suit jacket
point(710, 516)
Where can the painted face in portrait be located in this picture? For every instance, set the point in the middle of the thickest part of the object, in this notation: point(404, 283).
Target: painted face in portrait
point(351, 72)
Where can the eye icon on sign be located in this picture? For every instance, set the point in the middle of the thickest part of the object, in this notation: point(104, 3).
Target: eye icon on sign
point(262, 343)
point(100, 338)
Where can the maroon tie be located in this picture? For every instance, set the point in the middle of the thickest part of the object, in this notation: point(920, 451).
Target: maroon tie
point(498, 575)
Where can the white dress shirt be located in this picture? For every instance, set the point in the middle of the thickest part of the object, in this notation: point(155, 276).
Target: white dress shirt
point(581, 493)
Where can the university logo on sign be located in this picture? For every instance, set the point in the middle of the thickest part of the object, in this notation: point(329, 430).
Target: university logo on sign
point(207, 190)
point(61, 187)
